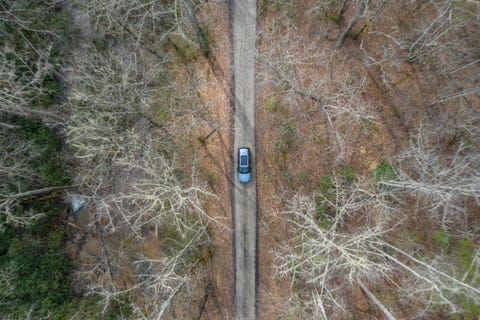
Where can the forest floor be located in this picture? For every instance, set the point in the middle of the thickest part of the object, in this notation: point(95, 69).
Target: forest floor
point(295, 144)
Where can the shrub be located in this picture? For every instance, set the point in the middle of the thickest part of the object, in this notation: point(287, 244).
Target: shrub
point(465, 252)
point(385, 172)
point(287, 138)
point(326, 186)
point(47, 158)
point(186, 49)
point(41, 277)
point(442, 238)
point(270, 104)
point(347, 174)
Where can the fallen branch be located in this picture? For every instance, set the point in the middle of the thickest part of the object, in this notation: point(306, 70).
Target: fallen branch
point(35, 192)
point(376, 301)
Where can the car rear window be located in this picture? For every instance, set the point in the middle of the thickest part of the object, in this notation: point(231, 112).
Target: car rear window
point(243, 160)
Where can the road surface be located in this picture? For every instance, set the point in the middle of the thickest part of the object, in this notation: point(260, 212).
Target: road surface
point(243, 24)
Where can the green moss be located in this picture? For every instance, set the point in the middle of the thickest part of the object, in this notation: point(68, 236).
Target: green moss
point(463, 11)
point(442, 239)
point(304, 177)
point(352, 76)
point(45, 29)
point(465, 252)
point(333, 17)
point(186, 50)
point(355, 34)
point(270, 104)
point(323, 211)
point(34, 253)
point(204, 34)
point(52, 92)
point(471, 309)
point(120, 309)
point(176, 238)
point(346, 174)
point(368, 125)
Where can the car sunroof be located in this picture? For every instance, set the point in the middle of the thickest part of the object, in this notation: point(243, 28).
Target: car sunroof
point(243, 160)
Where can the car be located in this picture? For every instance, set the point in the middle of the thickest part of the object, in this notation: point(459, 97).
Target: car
point(244, 173)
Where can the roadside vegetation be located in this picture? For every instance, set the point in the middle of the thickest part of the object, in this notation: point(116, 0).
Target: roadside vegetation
point(94, 106)
point(373, 122)
point(36, 271)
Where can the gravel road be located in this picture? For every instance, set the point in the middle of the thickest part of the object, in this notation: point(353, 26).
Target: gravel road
point(243, 24)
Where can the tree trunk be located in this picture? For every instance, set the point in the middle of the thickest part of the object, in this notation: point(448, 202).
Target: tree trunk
point(360, 12)
point(430, 27)
point(376, 301)
point(344, 7)
point(187, 6)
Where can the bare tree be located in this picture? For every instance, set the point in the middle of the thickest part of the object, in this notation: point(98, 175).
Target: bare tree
point(14, 159)
point(125, 120)
point(108, 96)
point(438, 174)
point(7, 287)
point(440, 36)
point(432, 281)
point(25, 62)
point(433, 31)
point(387, 313)
point(153, 198)
point(325, 248)
point(17, 92)
point(447, 182)
point(113, 129)
point(189, 12)
point(343, 8)
point(8, 203)
point(286, 66)
point(150, 24)
point(15, 172)
point(124, 115)
point(163, 280)
point(158, 280)
point(322, 249)
point(140, 19)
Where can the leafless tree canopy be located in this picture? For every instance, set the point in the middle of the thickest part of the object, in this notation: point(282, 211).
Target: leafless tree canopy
point(411, 69)
point(332, 92)
point(328, 252)
point(126, 116)
point(448, 184)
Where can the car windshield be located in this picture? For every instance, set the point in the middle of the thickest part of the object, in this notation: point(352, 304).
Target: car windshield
point(244, 170)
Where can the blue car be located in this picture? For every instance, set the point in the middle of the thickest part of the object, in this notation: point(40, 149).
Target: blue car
point(244, 165)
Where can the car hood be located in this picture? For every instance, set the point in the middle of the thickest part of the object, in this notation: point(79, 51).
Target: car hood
point(244, 177)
